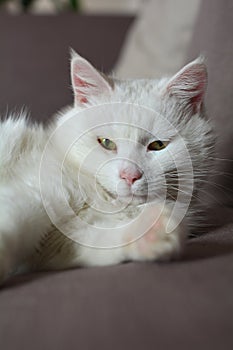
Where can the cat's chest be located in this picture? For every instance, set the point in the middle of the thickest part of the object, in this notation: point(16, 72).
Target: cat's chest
point(106, 216)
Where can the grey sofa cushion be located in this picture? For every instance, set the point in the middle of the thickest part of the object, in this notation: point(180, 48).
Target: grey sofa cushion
point(183, 305)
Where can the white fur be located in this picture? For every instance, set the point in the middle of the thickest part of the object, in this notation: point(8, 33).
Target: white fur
point(27, 235)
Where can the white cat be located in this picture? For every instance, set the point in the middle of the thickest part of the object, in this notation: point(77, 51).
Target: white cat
point(100, 184)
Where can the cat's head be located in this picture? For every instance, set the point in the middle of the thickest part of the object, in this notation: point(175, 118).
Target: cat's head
point(148, 154)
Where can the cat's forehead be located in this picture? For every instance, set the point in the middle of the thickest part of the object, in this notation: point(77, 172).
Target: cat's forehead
point(141, 108)
point(141, 91)
point(136, 123)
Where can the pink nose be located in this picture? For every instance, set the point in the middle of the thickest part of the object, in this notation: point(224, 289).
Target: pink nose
point(130, 177)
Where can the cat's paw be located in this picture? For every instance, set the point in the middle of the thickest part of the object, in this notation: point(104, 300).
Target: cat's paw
point(156, 243)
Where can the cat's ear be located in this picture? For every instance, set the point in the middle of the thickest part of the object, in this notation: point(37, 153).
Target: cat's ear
point(87, 82)
point(189, 84)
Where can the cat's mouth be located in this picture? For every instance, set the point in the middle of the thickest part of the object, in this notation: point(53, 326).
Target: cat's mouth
point(130, 197)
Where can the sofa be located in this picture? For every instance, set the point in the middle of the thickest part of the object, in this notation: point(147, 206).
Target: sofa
point(185, 304)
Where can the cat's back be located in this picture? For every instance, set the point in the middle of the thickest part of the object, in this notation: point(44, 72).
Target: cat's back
point(20, 142)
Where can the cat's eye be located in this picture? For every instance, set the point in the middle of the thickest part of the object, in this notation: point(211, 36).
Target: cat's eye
point(157, 145)
point(107, 143)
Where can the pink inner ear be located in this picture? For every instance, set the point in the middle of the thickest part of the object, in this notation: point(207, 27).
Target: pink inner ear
point(78, 82)
point(197, 99)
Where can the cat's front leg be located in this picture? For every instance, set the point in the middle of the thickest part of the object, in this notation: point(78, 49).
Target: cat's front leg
point(145, 239)
point(156, 242)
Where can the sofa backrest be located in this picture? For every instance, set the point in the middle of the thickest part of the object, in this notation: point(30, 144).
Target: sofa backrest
point(213, 37)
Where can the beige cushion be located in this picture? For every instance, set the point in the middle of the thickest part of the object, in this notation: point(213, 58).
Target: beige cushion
point(157, 42)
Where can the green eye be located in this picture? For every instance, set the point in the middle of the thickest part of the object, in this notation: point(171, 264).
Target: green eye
point(108, 144)
point(157, 145)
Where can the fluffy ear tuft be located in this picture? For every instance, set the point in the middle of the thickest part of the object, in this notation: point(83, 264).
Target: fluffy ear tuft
point(87, 82)
point(189, 84)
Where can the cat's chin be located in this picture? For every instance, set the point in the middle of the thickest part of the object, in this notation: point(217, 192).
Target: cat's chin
point(130, 198)
point(133, 199)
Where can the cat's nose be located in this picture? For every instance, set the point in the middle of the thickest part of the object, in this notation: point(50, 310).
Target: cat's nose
point(130, 177)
